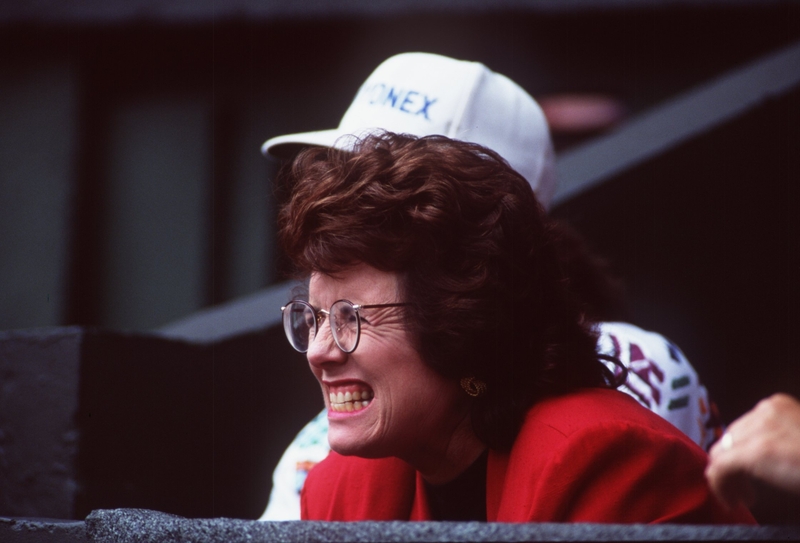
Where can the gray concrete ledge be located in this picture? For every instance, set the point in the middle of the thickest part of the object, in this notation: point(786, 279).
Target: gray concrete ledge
point(140, 526)
point(136, 525)
point(41, 530)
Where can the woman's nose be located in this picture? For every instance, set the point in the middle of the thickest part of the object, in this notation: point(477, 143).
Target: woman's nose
point(323, 349)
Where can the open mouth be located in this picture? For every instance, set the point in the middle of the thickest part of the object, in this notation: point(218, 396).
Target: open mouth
point(350, 400)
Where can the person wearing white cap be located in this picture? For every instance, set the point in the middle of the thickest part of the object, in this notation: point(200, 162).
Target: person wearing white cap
point(425, 94)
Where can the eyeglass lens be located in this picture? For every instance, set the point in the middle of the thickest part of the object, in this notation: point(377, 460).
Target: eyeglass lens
point(300, 324)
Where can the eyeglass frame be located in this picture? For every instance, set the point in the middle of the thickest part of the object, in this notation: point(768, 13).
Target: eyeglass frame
point(327, 313)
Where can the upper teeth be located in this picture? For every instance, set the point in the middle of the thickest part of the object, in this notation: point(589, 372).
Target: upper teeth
point(350, 401)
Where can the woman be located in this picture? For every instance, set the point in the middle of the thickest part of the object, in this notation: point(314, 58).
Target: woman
point(460, 379)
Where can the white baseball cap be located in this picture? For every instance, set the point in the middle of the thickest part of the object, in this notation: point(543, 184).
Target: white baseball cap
point(424, 94)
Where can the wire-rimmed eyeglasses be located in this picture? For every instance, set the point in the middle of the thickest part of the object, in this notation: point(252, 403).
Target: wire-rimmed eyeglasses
point(301, 322)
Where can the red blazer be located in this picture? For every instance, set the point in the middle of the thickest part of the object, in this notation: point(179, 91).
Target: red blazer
point(591, 456)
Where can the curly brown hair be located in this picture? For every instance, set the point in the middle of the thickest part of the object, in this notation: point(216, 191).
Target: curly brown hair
point(476, 256)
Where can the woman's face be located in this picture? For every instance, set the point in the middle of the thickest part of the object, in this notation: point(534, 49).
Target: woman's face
point(382, 399)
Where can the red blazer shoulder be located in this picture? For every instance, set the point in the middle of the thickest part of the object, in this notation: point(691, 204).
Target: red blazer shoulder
point(598, 456)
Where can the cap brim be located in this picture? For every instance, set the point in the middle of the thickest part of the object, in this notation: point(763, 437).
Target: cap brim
point(288, 145)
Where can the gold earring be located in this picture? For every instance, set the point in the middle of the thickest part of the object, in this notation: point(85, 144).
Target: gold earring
point(473, 386)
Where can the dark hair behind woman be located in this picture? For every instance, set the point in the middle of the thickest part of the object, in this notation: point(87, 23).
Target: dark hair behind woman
point(477, 258)
point(591, 279)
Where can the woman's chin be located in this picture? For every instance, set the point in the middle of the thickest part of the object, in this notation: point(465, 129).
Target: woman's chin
point(350, 439)
point(349, 445)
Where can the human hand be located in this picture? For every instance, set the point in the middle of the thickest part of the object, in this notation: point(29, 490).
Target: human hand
point(762, 445)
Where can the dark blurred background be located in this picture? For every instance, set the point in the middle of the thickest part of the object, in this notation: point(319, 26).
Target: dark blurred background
point(133, 192)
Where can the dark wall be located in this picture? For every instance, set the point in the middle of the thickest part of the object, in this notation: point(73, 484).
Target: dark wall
point(92, 419)
point(38, 435)
point(186, 429)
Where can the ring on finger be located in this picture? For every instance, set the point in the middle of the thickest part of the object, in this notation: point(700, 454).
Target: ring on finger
point(726, 442)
